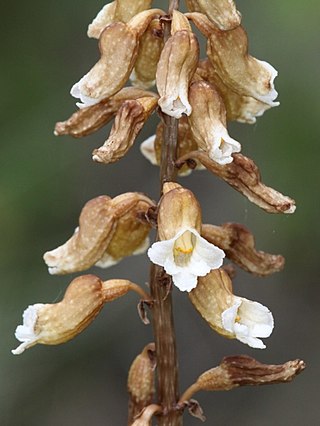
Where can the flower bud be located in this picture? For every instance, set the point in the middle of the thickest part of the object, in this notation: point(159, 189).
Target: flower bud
point(223, 13)
point(141, 379)
point(177, 64)
point(240, 108)
point(239, 245)
point(108, 230)
point(242, 370)
point(231, 316)
point(129, 120)
point(151, 148)
point(208, 123)
point(244, 176)
point(228, 53)
point(90, 119)
point(151, 44)
point(182, 251)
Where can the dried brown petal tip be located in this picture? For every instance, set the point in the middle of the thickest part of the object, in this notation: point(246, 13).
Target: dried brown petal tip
point(151, 44)
point(243, 175)
point(108, 231)
point(222, 12)
point(177, 64)
point(240, 108)
point(128, 123)
point(242, 370)
point(52, 324)
point(208, 123)
point(90, 119)
point(239, 245)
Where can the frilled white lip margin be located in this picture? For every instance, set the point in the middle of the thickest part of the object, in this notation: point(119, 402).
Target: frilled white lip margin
point(223, 146)
point(205, 257)
point(76, 92)
point(25, 333)
point(248, 320)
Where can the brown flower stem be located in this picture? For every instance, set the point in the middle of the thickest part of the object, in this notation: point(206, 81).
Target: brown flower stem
point(160, 286)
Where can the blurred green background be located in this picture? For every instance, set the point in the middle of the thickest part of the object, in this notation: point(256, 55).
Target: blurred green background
point(45, 181)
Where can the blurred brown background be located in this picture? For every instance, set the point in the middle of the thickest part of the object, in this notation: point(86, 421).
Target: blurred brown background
point(45, 181)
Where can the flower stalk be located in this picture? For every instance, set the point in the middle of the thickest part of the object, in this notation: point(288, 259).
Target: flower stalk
point(161, 284)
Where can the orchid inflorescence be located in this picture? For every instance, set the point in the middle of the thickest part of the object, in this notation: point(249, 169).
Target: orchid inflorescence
point(147, 47)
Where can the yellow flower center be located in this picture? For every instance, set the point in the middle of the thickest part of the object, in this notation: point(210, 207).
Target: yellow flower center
point(183, 248)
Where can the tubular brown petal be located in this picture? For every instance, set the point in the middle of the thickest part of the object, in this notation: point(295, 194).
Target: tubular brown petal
point(105, 17)
point(179, 22)
point(242, 370)
point(151, 44)
point(243, 175)
point(212, 296)
point(113, 289)
point(127, 9)
point(177, 64)
point(140, 22)
point(228, 53)
point(90, 119)
point(52, 324)
point(117, 11)
point(130, 234)
point(119, 48)
point(100, 234)
point(240, 108)
point(222, 12)
point(239, 245)
point(141, 380)
point(128, 122)
point(89, 241)
point(178, 208)
point(208, 123)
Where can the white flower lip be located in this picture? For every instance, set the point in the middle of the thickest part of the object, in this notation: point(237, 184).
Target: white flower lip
point(86, 101)
point(248, 321)
point(204, 258)
point(175, 106)
point(25, 333)
point(148, 151)
point(272, 94)
point(223, 147)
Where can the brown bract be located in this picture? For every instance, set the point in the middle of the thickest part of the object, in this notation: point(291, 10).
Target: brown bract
point(243, 175)
point(178, 209)
point(151, 44)
point(128, 122)
point(102, 225)
point(222, 12)
point(90, 119)
point(239, 245)
point(240, 108)
point(141, 378)
point(228, 53)
point(242, 370)
point(177, 64)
